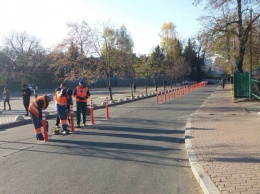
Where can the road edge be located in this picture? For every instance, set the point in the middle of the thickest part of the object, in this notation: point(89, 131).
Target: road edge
point(206, 184)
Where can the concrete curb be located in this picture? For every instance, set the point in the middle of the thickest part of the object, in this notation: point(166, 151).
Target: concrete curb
point(14, 124)
point(206, 184)
point(124, 102)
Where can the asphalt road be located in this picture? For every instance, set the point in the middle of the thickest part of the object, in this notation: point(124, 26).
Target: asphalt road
point(140, 149)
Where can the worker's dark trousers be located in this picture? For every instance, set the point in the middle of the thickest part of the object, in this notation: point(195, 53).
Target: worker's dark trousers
point(81, 109)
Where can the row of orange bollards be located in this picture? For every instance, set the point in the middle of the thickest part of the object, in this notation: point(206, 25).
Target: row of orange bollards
point(172, 93)
point(45, 132)
point(177, 92)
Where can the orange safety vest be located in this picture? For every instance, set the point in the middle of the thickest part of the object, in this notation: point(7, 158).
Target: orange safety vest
point(33, 108)
point(82, 92)
point(61, 100)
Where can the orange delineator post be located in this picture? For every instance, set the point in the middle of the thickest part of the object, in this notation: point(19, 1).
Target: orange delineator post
point(164, 95)
point(107, 113)
point(45, 133)
point(161, 97)
point(91, 113)
point(169, 98)
point(72, 119)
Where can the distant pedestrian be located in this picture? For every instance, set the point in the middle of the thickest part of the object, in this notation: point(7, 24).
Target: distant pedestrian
point(26, 93)
point(6, 94)
point(134, 86)
point(223, 81)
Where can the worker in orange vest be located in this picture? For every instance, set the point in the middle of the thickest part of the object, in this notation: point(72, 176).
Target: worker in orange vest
point(57, 91)
point(35, 109)
point(62, 110)
point(81, 94)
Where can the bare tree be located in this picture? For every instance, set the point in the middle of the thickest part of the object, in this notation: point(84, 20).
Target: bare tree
point(228, 17)
point(75, 57)
point(26, 52)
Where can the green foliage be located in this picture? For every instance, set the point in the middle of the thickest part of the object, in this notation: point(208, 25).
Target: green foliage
point(142, 67)
point(195, 58)
point(155, 62)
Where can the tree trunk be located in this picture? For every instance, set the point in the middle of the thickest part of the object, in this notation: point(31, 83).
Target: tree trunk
point(109, 86)
point(131, 86)
point(145, 83)
point(155, 84)
point(239, 60)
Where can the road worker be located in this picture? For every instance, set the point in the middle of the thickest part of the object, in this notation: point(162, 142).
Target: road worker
point(35, 109)
point(57, 91)
point(81, 94)
point(62, 110)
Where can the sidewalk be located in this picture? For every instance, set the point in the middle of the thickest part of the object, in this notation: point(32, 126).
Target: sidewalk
point(223, 144)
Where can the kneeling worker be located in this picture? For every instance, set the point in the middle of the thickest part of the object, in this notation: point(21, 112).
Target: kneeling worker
point(35, 109)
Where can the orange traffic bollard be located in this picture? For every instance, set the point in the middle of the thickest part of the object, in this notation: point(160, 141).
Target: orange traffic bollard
point(45, 133)
point(161, 97)
point(91, 113)
point(107, 113)
point(72, 119)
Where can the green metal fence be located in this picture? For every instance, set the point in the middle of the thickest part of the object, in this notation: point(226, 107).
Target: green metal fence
point(242, 85)
point(245, 86)
point(255, 88)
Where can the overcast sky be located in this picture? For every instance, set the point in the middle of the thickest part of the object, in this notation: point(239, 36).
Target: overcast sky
point(47, 19)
